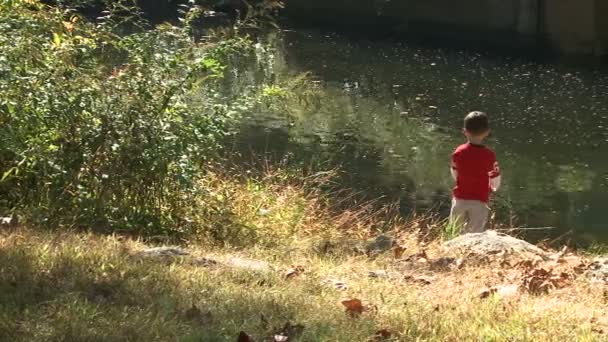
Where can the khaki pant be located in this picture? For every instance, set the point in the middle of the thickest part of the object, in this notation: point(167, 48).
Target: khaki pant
point(473, 215)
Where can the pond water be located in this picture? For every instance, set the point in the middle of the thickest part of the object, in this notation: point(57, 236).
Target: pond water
point(390, 114)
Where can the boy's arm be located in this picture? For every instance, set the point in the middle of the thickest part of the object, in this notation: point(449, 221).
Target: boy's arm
point(453, 169)
point(454, 173)
point(495, 177)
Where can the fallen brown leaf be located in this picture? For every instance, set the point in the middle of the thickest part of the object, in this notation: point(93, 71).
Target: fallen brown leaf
point(294, 271)
point(421, 257)
point(581, 267)
point(527, 264)
point(508, 290)
point(398, 252)
point(541, 281)
point(487, 292)
point(354, 306)
point(416, 279)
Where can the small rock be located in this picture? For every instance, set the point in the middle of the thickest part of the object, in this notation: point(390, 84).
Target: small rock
point(163, 252)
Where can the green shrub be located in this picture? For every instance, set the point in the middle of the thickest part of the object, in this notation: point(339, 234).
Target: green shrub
point(107, 130)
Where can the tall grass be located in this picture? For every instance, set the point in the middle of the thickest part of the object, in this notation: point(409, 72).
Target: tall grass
point(71, 285)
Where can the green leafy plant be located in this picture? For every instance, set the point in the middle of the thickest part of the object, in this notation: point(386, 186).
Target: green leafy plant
point(105, 129)
point(450, 230)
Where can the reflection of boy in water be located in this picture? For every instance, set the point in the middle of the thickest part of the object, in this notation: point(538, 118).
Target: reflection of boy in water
point(476, 172)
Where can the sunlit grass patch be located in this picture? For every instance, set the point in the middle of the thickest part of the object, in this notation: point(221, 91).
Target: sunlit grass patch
point(77, 286)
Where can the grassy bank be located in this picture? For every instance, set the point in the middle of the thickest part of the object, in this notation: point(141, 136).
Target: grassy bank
point(75, 286)
point(108, 138)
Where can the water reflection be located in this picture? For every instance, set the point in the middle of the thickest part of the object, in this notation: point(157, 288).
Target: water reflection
point(390, 114)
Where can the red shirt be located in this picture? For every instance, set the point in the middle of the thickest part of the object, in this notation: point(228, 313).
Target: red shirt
point(475, 165)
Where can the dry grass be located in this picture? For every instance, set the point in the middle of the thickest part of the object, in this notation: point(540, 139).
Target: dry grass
point(74, 286)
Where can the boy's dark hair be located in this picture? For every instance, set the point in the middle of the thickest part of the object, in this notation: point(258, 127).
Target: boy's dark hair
point(476, 123)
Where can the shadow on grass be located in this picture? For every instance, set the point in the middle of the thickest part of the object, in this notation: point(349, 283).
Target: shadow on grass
point(81, 291)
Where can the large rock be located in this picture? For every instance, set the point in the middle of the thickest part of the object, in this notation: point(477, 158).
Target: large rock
point(491, 243)
point(598, 270)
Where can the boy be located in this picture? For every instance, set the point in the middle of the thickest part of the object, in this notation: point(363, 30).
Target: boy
point(476, 172)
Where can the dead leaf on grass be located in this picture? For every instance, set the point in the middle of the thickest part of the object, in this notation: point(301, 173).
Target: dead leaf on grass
point(420, 257)
point(581, 267)
point(528, 263)
point(541, 281)
point(398, 251)
point(417, 279)
point(354, 307)
point(507, 290)
point(294, 272)
point(487, 292)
